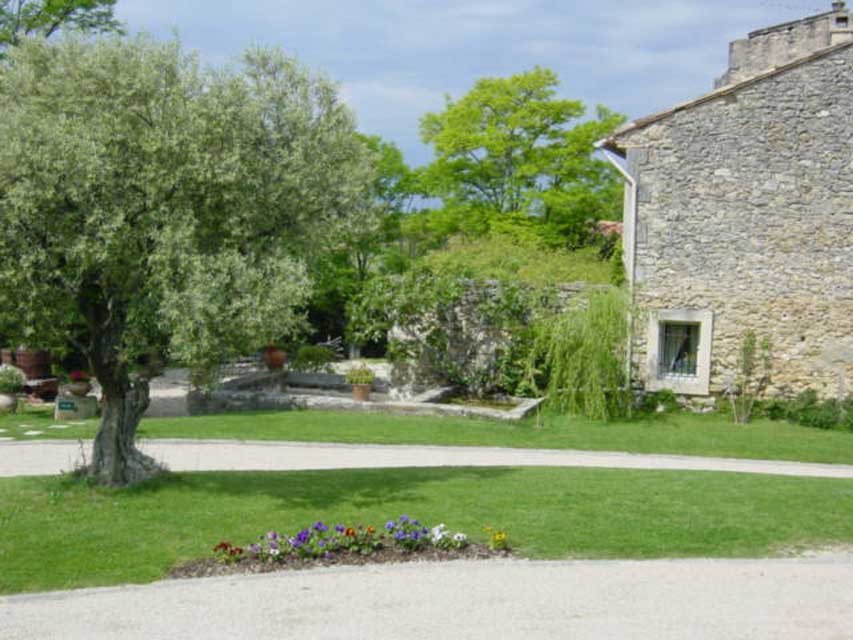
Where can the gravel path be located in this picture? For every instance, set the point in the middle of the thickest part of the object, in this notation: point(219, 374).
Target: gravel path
point(807, 599)
point(51, 457)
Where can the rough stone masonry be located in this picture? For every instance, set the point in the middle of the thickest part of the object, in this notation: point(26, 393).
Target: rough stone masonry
point(745, 209)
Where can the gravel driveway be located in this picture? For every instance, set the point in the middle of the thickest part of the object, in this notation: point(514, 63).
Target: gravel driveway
point(808, 599)
point(51, 457)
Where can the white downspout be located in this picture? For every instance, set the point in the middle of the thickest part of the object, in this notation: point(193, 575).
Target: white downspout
point(631, 241)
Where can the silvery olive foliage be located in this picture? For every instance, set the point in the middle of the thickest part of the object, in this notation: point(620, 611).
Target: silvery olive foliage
point(150, 208)
point(179, 199)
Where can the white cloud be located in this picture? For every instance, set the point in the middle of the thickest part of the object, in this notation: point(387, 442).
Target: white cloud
point(397, 58)
point(377, 92)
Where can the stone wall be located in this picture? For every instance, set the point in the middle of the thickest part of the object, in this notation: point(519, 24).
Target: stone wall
point(473, 340)
point(773, 47)
point(746, 209)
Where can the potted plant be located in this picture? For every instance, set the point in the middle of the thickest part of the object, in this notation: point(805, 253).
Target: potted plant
point(12, 381)
point(35, 363)
point(80, 385)
point(274, 357)
point(361, 378)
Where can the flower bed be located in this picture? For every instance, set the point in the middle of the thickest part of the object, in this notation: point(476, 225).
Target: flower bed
point(402, 540)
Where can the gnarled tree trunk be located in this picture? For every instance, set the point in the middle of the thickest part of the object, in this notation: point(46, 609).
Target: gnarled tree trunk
point(115, 459)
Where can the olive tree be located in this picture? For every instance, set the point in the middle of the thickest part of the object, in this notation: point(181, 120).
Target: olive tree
point(158, 209)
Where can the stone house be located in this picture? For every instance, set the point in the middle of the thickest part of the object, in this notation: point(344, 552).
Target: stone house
point(739, 216)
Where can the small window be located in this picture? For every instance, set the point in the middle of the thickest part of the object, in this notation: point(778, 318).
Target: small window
point(678, 351)
point(842, 21)
point(679, 343)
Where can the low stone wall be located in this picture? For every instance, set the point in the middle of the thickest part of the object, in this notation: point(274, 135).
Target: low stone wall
point(427, 404)
point(203, 403)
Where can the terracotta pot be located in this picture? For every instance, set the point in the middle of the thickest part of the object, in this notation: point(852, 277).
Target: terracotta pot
point(7, 356)
point(274, 358)
point(8, 403)
point(80, 388)
point(361, 392)
point(34, 363)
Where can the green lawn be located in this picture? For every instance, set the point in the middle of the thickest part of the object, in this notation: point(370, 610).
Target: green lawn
point(681, 433)
point(60, 534)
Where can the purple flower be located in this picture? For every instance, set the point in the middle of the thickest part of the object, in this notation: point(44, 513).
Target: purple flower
point(320, 527)
point(400, 535)
point(415, 535)
point(416, 523)
point(302, 536)
point(424, 531)
point(404, 518)
point(272, 535)
point(340, 528)
point(274, 545)
point(254, 548)
point(295, 543)
point(321, 543)
point(390, 525)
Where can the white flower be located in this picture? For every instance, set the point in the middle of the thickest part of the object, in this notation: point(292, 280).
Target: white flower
point(438, 533)
point(460, 537)
point(274, 552)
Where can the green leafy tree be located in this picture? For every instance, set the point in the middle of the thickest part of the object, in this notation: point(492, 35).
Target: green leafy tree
point(390, 196)
point(165, 208)
point(511, 145)
point(22, 18)
point(353, 254)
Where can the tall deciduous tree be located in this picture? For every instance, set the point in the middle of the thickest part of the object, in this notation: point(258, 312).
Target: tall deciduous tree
point(352, 255)
point(511, 145)
point(21, 18)
point(164, 207)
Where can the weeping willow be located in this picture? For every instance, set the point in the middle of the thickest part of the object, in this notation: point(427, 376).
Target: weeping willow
point(579, 356)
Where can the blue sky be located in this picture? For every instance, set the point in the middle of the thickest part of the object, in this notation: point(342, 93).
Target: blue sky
point(396, 59)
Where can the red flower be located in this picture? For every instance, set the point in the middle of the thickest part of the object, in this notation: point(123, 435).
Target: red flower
point(371, 530)
point(350, 532)
point(78, 376)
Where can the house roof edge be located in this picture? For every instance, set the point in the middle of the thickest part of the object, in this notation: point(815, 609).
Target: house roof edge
point(611, 143)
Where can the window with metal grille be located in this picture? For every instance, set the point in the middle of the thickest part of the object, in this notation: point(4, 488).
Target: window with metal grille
point(679, 344)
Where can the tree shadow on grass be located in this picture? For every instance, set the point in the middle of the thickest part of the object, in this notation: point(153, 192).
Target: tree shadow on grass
point(360, 488)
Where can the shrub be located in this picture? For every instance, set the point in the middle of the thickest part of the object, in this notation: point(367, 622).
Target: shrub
point(12, 379)
point(808, 410)
point(582, 353)
point(314, 359)
point(451, 329)
point(751, 378)
point(360, 375)
point(525, 261)
point(663, 401)
point(617, 267)
point(511, 370)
